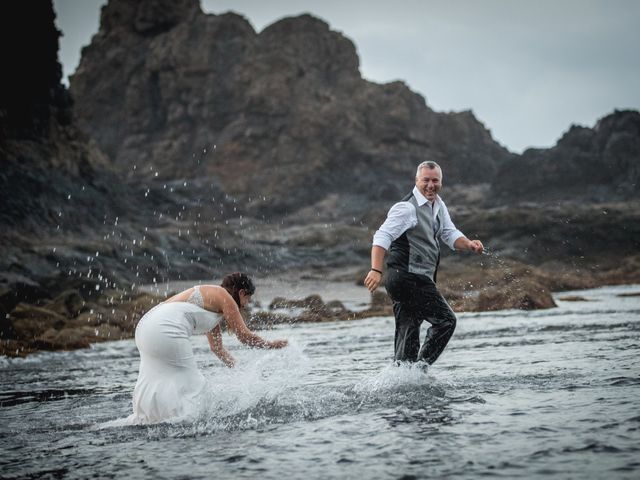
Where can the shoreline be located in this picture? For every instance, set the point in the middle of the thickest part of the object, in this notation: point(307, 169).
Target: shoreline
point(575, 297)
point(78, 317)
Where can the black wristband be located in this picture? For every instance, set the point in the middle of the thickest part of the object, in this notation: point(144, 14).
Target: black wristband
point(376, 270)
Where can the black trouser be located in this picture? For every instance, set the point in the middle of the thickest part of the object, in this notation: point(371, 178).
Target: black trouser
point(416, 299)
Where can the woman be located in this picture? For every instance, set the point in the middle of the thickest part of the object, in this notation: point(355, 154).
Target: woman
point(169, 380)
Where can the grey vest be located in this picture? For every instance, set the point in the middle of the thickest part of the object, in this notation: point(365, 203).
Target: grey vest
point(417, 250)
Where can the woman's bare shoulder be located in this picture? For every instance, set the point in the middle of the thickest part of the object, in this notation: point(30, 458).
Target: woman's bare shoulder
point(215, 295)
point(212, 288)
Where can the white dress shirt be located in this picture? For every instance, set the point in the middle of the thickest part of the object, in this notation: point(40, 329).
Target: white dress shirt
point(402, 216)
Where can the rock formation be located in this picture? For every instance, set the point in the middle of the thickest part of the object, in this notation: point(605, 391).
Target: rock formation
point(284, 115)
point(599, 164)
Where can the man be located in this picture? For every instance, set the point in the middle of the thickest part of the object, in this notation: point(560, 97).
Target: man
point(410, 234)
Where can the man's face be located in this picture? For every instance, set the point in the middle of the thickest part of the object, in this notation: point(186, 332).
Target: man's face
point(429, 182)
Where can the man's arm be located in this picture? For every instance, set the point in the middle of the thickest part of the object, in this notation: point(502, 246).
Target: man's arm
point(400, 218)
point(454, 237)
point(463, 243)
point(374, 277)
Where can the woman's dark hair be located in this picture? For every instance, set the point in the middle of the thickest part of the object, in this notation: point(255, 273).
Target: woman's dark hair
point(234, 282)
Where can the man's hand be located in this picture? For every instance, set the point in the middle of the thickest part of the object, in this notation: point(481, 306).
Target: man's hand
point(463, 243)
point(476, 246)
point(373, 280)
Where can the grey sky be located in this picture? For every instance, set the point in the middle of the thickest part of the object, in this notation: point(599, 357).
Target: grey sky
point(528, 69)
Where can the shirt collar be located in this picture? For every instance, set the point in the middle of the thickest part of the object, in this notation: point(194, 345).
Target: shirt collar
point(421, 199)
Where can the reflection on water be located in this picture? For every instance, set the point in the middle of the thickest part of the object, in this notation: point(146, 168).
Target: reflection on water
point(516, 394)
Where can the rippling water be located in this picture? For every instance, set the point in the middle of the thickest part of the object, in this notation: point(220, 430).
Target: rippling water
point(516, 394)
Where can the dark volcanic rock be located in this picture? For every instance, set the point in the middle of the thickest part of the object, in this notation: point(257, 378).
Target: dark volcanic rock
point(29, 321)
point(70, 226)
point(31, 93)
point(67, 212)
point(525, 296)
point(597, 164)
point(590, 235)
point(68, 304)
point(285, 112)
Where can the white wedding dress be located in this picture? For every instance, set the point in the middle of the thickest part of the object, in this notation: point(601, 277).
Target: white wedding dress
point(169, 381)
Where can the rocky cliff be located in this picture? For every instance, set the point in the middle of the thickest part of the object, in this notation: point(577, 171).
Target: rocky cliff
point(47, 162)
point(75, 235)
point(599, 164)
point(284, 115)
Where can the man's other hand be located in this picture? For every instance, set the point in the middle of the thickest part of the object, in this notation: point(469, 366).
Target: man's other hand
point(373, 280)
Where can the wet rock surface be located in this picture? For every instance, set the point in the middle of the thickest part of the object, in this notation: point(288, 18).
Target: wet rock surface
point(67, 318)
point(314, 309)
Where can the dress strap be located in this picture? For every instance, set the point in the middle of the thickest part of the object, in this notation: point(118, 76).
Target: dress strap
point(196, 297)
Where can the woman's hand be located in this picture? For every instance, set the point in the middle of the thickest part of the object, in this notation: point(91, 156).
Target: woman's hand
point(277, 344)
point(215, 342)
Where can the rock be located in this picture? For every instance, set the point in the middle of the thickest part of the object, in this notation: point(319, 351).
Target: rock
point(265, 320)
point(68, 304)
point(64, 339)
point(531, 296)
point(562, 172)
point(32, 93)
point(380, 299)
point(336, 307)
point(16, 348)
point(284, 104)
point(86, 288)
point(28, 321)
point(573, 298)
point(312, 302)
point(630, 294)
point(94, 316)
point(126, 313)
point(108, 331)
point(15, 288)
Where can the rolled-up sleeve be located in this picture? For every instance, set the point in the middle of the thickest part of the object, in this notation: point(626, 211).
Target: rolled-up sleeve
point(401, 217)
point(449, 233)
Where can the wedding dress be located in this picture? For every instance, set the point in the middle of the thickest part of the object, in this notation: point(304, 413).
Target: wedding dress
point(169, 380)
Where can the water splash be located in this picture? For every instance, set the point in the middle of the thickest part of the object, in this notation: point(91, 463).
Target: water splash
point(394, 376)
point(263, 379)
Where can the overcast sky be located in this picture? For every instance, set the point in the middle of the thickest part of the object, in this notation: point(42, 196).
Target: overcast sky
point(527, 69)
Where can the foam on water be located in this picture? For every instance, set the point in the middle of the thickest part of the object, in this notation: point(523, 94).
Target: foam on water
point(261, 377)
point(276, 387)
point(394, 376)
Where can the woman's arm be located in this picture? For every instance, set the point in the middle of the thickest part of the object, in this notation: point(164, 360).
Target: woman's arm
point(217, 299)
point(215, 342)
point(236, 324)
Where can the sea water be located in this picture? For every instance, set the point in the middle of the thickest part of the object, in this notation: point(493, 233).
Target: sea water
point(515, 395)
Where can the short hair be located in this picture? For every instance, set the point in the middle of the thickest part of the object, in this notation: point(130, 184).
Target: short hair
point(428, 164)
